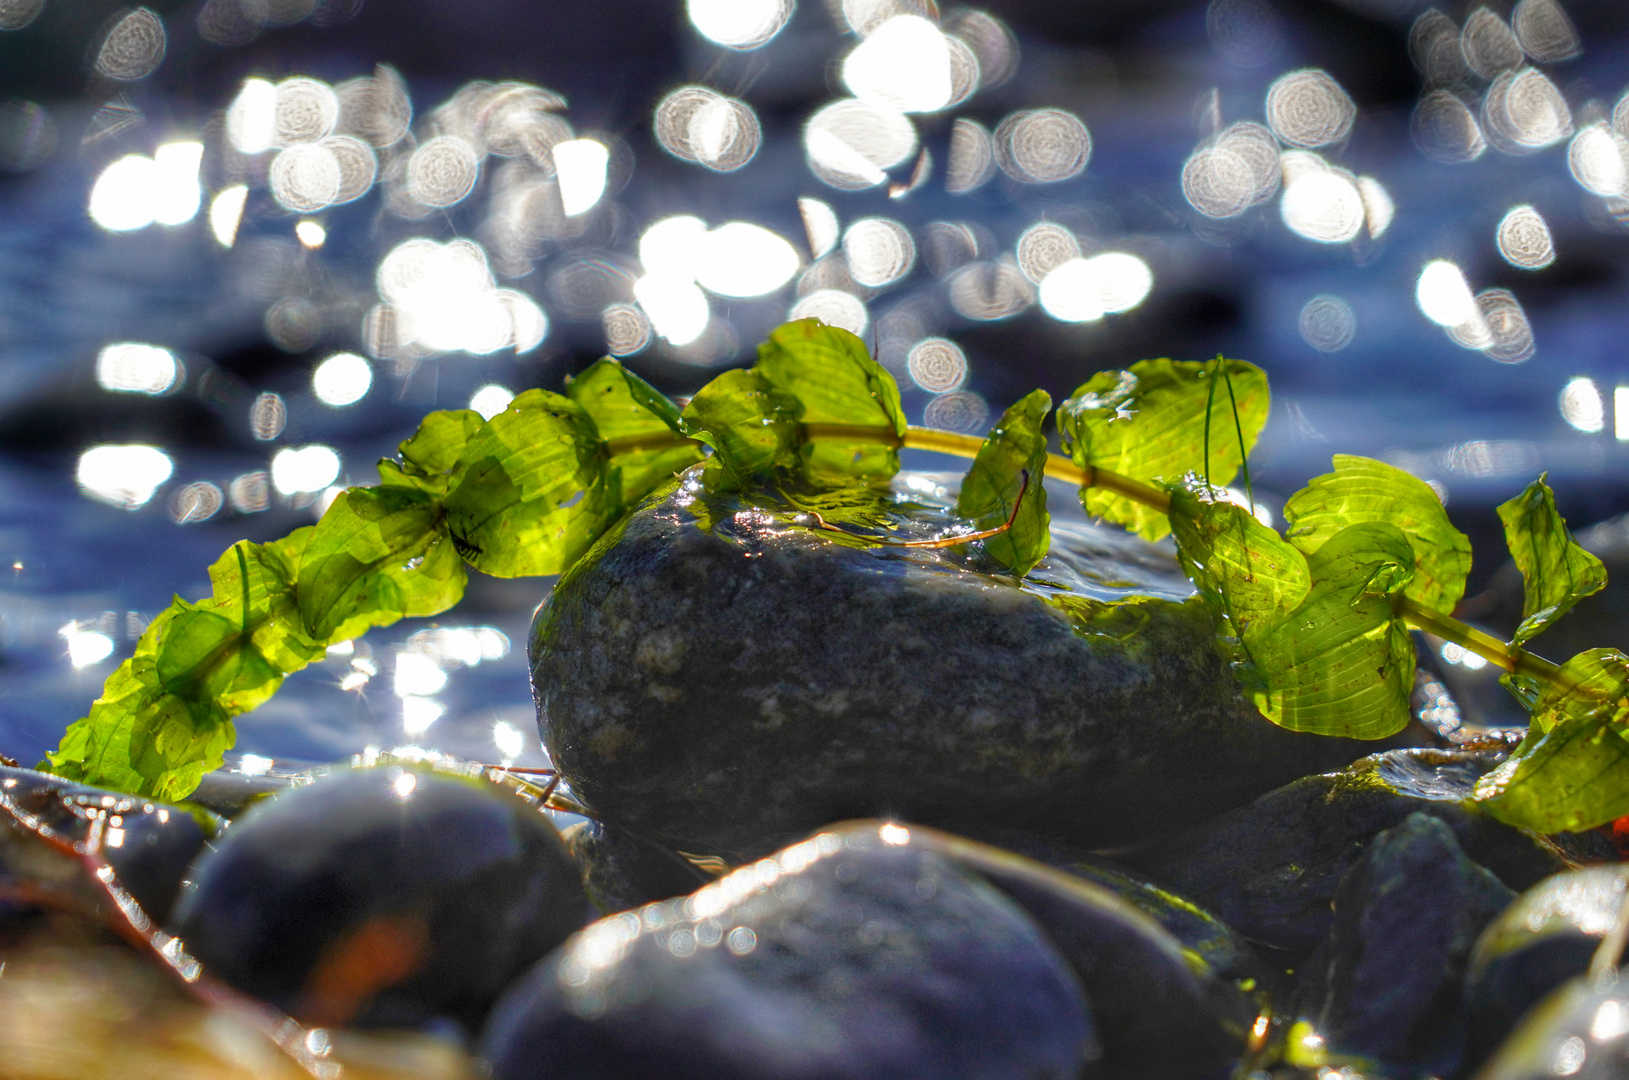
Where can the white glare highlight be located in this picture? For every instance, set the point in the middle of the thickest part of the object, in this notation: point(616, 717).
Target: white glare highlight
point(85, 647)
point(251, 121)
point(1599, 160)
point(342, 379)
point(1084, 290)
point(879, 251)
point(418, 714)
point(820, 222)
point(508, 739)
point(676, 306)
point(123, 198)
point(739, 24)
point(417, 675)
point(254, 765)
point(582, 165)
point(444, 298)
point(1444, 295)
point(226, 213)
point(311, 234)
point(1325, 207)
point(404, 784)
point(309, 468)
point(133, 368)
point(937, 365)
point(904, 64)
point(1620, 413)
point(671, 247)
point(850, 142)
point(741, 259)
point(124, 475)
point(491, 399)
point(1458, 654)
point(834, 308)
point(176, 194)
point(1581, 405)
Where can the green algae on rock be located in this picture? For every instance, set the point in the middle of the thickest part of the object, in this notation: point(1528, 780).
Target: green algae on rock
point(722, 677)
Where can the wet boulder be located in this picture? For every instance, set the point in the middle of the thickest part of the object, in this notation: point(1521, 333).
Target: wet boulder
point(621, 870)
point(381, 897)
point(1271, 869)
point(846, 956)
point(1386, 985)
point(1545, 938)
point(148, 845)
point(1581, 1031)
point(723, 677)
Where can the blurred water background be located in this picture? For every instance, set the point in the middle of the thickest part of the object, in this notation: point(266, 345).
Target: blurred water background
point(246, 244)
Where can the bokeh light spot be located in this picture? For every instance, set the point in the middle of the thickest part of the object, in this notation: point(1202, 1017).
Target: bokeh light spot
point(738, 24)
point(1523, 112)
point(1444, 295)
point(133, 48)
point(307, 469)
point(133, 368)
point(226, 213)
point(195, 502)
point(491, 399)
point(937, 365)
point(627, 331)
point(582, 165)
point(305, 111)
point(1307, 108)
point(124, 475)
point(879, 252)
point(1323, 206)
point(675, 305)
point(442, 171)
point(820, 223)
point(972, 157)
point(850, 142)
point(1328, 323)
point(741, 259)
point(1042, 248)
point(1445, 129)
point(1042, 146)
point(834, 308)
point(1599, 160)
point(342, 379)
point(251, 120)
point(903, 64)
point(1581, 405)
point(305, 179)
point(1524, 239)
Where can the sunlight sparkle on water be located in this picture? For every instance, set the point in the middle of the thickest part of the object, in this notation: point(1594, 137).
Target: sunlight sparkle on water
point(1581, 405)
point(226, 213)
point(1444, 295)
point(740, 259)
point(124, 475)
point(342, 379)
point(582, 165)
point(309, 468)
point(903, 64)
point(491, 399)
point(508, 739)
point(739, 24)
point(85, 646)
point(133, 368)
point(311, 234)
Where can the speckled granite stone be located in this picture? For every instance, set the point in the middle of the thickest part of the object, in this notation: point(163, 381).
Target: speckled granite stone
point(723, 678)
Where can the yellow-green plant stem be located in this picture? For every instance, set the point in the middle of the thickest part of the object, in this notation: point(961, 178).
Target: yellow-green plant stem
point(1514, 660)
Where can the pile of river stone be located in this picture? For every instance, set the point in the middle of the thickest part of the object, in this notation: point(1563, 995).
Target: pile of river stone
point(866, 811)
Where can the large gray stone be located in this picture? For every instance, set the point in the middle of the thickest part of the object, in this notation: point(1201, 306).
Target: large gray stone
point(721, 677)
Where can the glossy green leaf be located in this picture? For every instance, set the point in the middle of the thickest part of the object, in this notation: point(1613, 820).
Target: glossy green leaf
point(429, 460)
point(1362, 489)
point(751, 426)
point(1243, 569)
point(1556, 572)
point(1148, 423)
point(1572, 771)
point(1014, 447)
point(640, 428)
point(834, 380)
point(1342, 663)
point(533, 495)
point(377, 555)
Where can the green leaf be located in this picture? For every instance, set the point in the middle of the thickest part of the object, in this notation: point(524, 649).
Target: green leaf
point(640, 428)
point(1571, 773)
point(1148, 423)
point(1362, 489)
point(532, 497)
point(1342, 663)
point(429, 460)
point(377, 555)
point(1243, 569)
point(1556, 572)
point(751, 426)
point(834, 380)
point(1014, 446)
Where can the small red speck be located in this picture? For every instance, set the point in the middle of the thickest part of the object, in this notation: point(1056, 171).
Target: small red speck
point(1619, 832)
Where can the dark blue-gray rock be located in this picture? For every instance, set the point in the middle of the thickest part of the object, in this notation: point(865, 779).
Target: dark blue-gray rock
point(1271, 869)
point(621, 870)
point(148, 845)
point(723, 678)
point(1165, 1013)
point(843, 957)
point(1387, 984)
point(382, 897)
point(1224, 950)
point(1545, 938)
point(1579, 1032)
